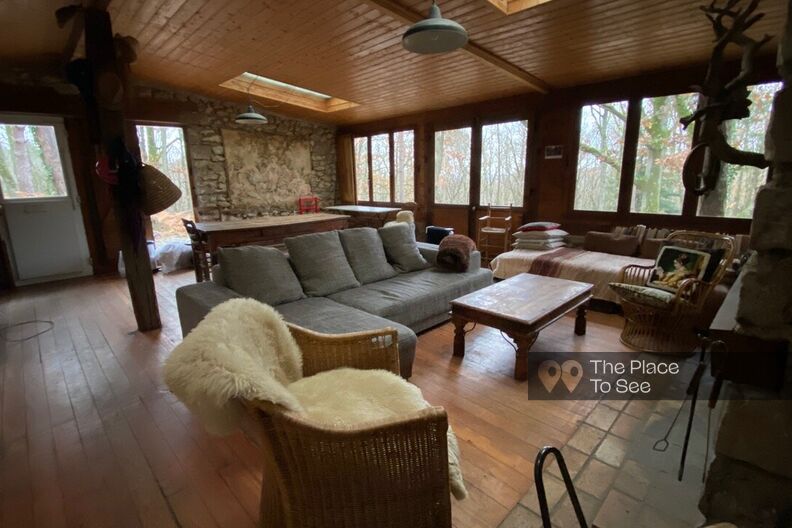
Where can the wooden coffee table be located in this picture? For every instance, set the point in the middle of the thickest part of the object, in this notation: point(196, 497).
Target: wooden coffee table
point(520, 306)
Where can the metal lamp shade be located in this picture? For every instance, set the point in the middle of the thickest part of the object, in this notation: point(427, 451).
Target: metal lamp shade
point(251, 117)
point(434, 34)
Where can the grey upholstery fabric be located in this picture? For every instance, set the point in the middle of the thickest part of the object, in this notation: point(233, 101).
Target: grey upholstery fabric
point(412, 297)
point(195, 300)
point(401, 248)
point(262, 273)
point(366, 255)
point(323, 315)
point(320, 263)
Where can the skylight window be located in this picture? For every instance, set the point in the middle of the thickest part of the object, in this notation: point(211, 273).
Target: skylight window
point(510, 7)
point(260, 86)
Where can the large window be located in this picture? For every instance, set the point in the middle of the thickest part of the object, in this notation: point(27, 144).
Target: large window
point(663, 145)
point(452, 166)
point(734, 196)
point(602, 128)
point(30, 163)
point(385, 164)
point(163, 148)
point(503, 156)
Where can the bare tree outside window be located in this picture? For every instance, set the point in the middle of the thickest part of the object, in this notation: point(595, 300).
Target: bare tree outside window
point(380, 167)
point(738, 184)
point(404, 165)
point(602, 128)
point(452, 166)
point(503, 156)
point(30, 163)
point(163, 147)
point(663, 145)
point(362, 169)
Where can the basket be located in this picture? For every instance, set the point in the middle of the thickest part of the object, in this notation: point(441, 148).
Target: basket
point(157, 191)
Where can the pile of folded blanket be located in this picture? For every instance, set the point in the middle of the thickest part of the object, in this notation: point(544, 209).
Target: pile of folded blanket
point(540, 236)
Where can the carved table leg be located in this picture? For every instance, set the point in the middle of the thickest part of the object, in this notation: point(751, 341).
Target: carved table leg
point(580, 320)
point(459, 335)
point(524, 343)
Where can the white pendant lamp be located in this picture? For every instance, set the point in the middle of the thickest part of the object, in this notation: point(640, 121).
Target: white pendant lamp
point(434, 34)
point(250, 116)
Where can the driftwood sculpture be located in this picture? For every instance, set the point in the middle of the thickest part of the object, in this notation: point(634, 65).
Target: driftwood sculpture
point(723, 99)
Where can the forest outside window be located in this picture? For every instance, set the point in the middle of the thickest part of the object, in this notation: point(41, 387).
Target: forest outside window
point(452, 166)
point(602, 129)
point(385, 167)
point(737, 186)
point(503, 158)
point(30, 162)
point(663, 145)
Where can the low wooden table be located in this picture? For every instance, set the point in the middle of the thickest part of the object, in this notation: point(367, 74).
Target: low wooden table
point(520, 306)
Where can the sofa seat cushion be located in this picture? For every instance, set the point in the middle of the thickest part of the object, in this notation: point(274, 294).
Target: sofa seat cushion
point(321, 314)
point(413, 297)
point(645, 295)
point(262, 273)
point(321, 263)
point(366, 255)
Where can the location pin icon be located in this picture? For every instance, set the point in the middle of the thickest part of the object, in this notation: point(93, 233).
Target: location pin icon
point(571, 373)
point(549, 374)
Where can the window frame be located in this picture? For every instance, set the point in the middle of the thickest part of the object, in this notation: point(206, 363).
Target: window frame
point(689, 216)
point(391, 172)
point(527, 169)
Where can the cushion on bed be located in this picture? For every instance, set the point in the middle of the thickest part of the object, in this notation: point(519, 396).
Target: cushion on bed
point(538, 226)
point(541, 235)
point(625, 245)
point(538, 244)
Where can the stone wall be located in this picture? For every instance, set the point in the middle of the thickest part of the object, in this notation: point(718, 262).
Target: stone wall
point(207, 153)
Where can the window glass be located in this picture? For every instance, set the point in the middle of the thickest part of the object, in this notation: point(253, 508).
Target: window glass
point(663, 145)
point(602, 128)
point(737, 186)
point(503, 150)
point(30, 162)
point(362, 169)
point(163, 147)
point(452, 166)
point(380, 167)
point(404, 166)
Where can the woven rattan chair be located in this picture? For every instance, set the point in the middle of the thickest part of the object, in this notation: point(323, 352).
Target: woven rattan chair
point(670, 329)
point(393, 475)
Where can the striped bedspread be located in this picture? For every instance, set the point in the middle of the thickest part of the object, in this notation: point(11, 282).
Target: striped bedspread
point(576, 264)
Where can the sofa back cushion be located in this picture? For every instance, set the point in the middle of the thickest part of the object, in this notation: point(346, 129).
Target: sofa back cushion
point(320, 263)
point(626, 245)
point(366, 255)
point(401, 247)
point(262, 273)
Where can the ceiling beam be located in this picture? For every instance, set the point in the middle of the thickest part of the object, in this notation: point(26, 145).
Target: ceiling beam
point(409, 16)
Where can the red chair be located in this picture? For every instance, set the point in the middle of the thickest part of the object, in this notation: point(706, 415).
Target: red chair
point(308, 204)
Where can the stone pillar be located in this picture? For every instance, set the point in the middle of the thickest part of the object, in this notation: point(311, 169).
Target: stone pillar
point(750, 480)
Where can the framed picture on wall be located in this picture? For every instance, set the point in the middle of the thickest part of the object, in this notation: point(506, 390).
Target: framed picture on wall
point(554, 152)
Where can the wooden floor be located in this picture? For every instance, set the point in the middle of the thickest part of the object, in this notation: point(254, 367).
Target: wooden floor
point(92, 438)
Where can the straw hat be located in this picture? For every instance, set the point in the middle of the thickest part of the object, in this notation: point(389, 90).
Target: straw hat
point(158, 192)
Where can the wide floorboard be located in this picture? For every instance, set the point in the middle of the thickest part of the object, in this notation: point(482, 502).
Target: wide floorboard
point(91, 437)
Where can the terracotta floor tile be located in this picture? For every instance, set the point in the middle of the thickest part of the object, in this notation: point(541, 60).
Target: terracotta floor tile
point(596, 478)
point(612, 450)
point(618, 511)
point(586, 439)
point(602, 417)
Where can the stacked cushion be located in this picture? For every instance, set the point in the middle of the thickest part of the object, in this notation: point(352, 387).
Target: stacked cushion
point(540, 240)
point(321, 263)
point(401, 248)
point(538, 226)
point(262, 273)
point(366, 254)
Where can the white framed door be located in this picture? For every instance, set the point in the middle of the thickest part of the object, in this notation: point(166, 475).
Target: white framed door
point(42, 222)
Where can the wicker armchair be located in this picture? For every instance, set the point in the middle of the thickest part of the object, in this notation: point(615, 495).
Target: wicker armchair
point(669, 329)
point(390, 475)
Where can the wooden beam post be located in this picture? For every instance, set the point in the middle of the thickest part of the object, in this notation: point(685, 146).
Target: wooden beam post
point(115, 135)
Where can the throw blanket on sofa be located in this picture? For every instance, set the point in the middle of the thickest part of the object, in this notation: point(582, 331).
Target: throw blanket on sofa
point(241, 350)
point(454, 253)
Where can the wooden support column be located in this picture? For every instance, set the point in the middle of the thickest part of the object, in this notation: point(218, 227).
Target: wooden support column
point(100, 52)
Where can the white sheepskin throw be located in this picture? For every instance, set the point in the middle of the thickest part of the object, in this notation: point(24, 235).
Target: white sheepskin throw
point(242, 349)
point(348, 398)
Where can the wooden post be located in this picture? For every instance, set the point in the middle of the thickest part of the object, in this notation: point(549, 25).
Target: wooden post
point(100, 52)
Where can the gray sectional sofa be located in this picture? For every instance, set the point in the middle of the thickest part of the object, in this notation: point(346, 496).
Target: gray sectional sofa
point(341, 281)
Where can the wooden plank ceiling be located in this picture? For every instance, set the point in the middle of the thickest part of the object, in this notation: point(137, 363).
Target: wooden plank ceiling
point(351, 49)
